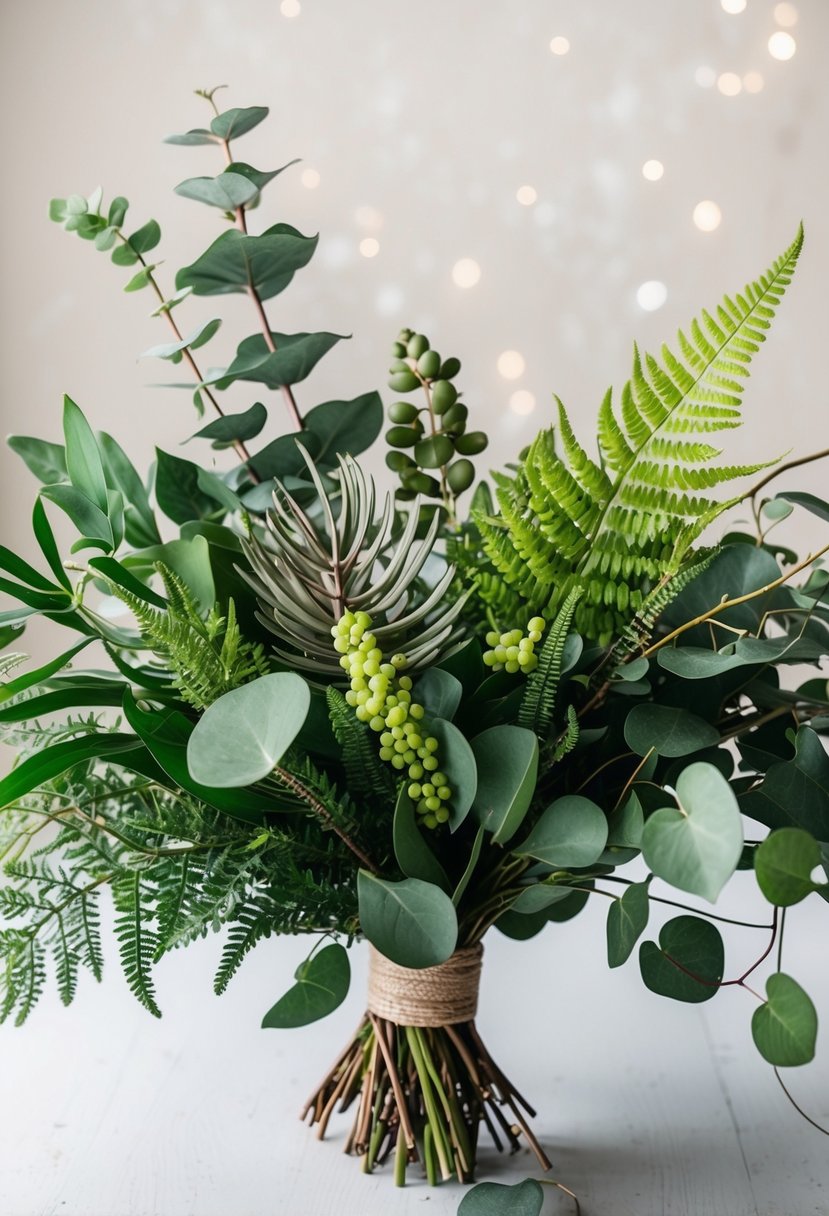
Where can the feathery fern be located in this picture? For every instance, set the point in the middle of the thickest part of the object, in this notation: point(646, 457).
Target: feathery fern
point(367, 776)
point(538, 703)
point(617, 526)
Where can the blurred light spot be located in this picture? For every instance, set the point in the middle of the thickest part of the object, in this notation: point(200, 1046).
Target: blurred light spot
point(544, 215)
point(729, 84)
point(336, 252)
point(733, 6)
point(782, 45)
point(707, 215)
point(785, 14)
point(369, 248)
point(653, 170)
point(753, 82)
point(290, 8)
point(466, 272)
point(368, 217)
point(310, 179)
point(522, 402)
point(705, 77)
point(511, 364)
point(389, 300)
point(526, 195)
point(651, 295)
point(559, 45)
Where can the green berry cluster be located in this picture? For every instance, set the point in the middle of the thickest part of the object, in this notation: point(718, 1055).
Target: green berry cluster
point(382, 697)
point(515, 651)
point(434, 434)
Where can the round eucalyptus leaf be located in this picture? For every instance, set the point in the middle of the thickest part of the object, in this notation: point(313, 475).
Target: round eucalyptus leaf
point(241, 737)
point(688, 963)
point(627, 919)
point(668, 731)
point(412, 922)
point(411, 846)
point(696, 846)
point(495, 1199)
point(784, 863)
point(696, 662)
point(507, 762)
point(439, 692)
point(784, 1029)
point(457, 760)
point(321, 986)
point(571, 832)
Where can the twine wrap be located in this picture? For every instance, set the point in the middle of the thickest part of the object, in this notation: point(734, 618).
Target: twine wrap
point(427, 996)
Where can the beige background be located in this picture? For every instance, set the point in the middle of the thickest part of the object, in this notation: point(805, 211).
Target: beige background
point(422, 122)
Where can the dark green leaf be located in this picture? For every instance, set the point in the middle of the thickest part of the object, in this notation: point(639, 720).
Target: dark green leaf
point(571, 832)
point(226, 430)
point(439, 693)
point(815, 505)
point(507, 762)
point(139, 520)
point(114, 572)
point(46, 460)
point(92, 523)
point(688, 963)
point(627, 919)
point(146, 238)
point(74, 696)
point(53, 761)
point(413, 923)
point(235, 262)
point(189, 558)
point(177, 489)
point(237, 121)
point(784, 1029)
point(457, 761)
point(495, 1199)
point(794, 793)
point(83, 459)
point(344, 426)
point(19, 568)
point(241, 738)
point(227, 191)
point(321, 986)
point(282, 458)
point(295, 357)
point(784, 863)
point(466, 877)
point(28, 680)
point(259, 178)
point(669, 731)
point(696, 845)
point(411, 848)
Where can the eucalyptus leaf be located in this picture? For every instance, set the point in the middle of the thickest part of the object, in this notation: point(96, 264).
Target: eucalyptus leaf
point(295, 357)
point(321, 986)
point(688, 963)
point(231, 428)
point(784, 1029)
point(236, 261)
point(496, 1199)
point(458, 762)
point(413, 923)
point(169, 350)
point(783, 864)
point(227, 191)
point(259, 177)
point(506, 758)
point(810, 502)
point(439, 693)
point(696, 846)
point(238, 121)
point(572, 831)
point(241, 738)
point(411, 848)
point(344, 426)
point(668, 731)
point(627, 919)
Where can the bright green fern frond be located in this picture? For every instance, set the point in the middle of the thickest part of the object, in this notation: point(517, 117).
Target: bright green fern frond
point(367, 777)
point(539, 700)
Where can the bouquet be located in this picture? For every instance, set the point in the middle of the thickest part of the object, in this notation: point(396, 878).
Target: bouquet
point(409, 717)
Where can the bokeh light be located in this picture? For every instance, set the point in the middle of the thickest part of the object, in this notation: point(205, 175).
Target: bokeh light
point(559, 45)
point(369, 247)
point(522, 402)
point(511, 364)
point(782, 45)
point(729, 84)
point(466, 272)
point(707, 215)
point(310, 179)
point(651, 295)
point(652, 170)
point(526, 195)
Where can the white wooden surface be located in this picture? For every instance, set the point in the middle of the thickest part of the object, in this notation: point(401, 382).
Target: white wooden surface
point(648, 1107)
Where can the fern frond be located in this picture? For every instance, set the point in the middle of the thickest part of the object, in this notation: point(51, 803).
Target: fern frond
point(538, 703)
point(367, 777)
point(566, 741)
point(137, 941)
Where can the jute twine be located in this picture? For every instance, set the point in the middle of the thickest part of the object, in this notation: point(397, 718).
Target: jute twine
point(428, 996)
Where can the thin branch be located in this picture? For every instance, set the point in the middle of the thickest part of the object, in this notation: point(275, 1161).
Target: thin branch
point(319, 808)
point(783, 468)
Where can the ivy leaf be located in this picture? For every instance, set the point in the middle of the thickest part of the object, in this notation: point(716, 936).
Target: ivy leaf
point(236, 262)
point(497, 1199)
point(572, 831)
point(783, 864)
point(238, 121)
point(627, 919)
point(784, 1029)
point(227, 191)
point(413, 923)
point(668, 731)
point(688, 963)
point(241, 738)
point(321, 986)
point(506, 757)
point(295, 357)
point(697, 845)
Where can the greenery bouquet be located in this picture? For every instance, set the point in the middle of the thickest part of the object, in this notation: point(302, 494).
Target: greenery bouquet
point(316, 709)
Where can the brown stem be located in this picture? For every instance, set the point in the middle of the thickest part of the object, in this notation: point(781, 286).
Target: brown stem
point(295, 785)
point(784, 468)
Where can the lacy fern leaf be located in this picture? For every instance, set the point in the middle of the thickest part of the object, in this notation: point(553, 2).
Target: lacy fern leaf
point(618, 525)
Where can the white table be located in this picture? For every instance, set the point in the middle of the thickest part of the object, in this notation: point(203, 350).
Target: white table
point(647, 1107)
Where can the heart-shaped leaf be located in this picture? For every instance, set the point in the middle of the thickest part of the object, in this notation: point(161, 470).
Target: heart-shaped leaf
point(321, 985)
point(413, 923)
point(697, 845)
point(571, 832)
point(784, 863)
point(507, 761)
point(627, 919)
point(495, 1199)
point(688, 963)
point(241, 737)
point(784, 1029)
